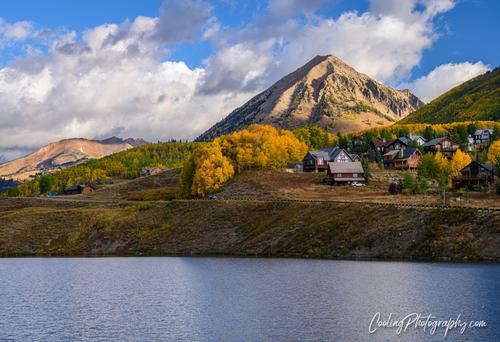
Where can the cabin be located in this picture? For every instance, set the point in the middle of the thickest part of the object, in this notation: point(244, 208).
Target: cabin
point(345, 173)
point(475, 175)
point(444, 145)
point(404, 159)
point(151, 171)
point(317, 161)
point(78, 189)
point(483, 136)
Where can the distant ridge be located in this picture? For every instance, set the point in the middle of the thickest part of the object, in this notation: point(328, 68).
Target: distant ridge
point(324, 92)
point(131, 141)
point(64, 153)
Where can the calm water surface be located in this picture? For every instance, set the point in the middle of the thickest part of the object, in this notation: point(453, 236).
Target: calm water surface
point(225, 299)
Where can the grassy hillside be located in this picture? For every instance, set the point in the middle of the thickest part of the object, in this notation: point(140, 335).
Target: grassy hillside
point(248, 228)
point(476, 99)
point(127, 164)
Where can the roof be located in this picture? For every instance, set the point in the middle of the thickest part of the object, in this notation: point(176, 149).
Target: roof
point(407, 153)
point(390, 153)
point(381, 143)
point(350, 167)
point(328, 153)
point(488, 167)
point(481, 131)
point(415, 137)
point(406, 140)
point(396, 140)
point(433, 141)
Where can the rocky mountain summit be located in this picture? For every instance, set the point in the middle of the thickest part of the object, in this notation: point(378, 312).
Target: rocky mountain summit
point(324, 92)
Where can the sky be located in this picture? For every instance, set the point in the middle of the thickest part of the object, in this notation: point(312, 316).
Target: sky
point(163, 69)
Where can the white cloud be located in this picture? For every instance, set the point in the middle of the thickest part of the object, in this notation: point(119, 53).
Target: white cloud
point(385, 43)
point(112, 81)
point(17, 31)
point(443, 78)
point(116, 79)
point(236, 68)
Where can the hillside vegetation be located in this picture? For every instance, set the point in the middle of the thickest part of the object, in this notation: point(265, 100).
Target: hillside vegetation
point(311, 230)
point(476, 99)
point(127, 164)
point(258, 147)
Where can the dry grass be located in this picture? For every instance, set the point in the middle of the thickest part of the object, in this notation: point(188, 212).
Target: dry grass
point(327, 230)
point(287, 185)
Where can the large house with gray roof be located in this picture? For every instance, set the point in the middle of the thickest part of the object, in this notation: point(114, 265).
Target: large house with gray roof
point(317, 161)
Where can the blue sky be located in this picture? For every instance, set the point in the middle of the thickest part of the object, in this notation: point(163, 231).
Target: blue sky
point(468, 32)
point(170, 69)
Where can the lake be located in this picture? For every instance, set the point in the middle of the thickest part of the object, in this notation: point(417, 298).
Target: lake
point(232, 299)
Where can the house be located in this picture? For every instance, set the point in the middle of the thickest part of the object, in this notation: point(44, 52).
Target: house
point(345, 173)
point(404, 159)
point(475, 174)
point(151, 171)
point(377, 145)
point(419, 140)
point(318, 160)
point(444, 145)
point(483, 136)
point(78, 189)
point(396, 144)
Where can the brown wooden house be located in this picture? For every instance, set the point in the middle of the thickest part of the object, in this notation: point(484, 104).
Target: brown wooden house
point(345, 173)
point(384, 146)
point(475, 175)
point(444, 145)
point(403, 159)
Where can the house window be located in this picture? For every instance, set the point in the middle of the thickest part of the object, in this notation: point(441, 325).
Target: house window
point(446, 143)
point(354, 175)
point(320, 161)
point(339, 175)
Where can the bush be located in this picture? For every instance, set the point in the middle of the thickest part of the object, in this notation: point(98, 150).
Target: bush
point(408, 183)
point(395, 188)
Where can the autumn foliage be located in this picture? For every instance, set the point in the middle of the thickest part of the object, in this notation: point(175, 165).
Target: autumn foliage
point(459, 161)
point(257, 147)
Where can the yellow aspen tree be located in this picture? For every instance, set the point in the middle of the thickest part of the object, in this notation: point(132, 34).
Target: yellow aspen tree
point(459, 161)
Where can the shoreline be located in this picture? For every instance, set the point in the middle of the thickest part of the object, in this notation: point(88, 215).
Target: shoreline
point(242, 256)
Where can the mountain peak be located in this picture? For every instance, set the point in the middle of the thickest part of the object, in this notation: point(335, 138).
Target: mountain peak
point(325, 92)
point(63, 153)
